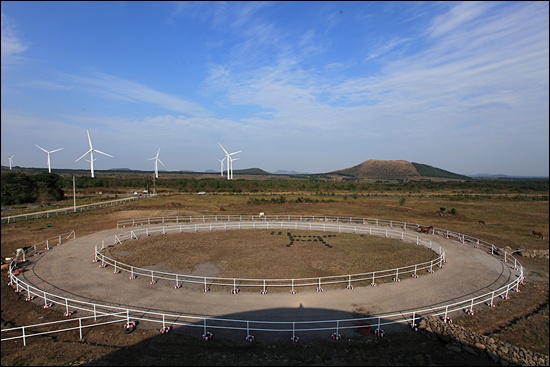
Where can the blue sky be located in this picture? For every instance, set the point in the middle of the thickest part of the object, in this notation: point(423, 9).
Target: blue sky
point(303, 86)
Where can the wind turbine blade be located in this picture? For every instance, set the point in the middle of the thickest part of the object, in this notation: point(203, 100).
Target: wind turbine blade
point(42, 148)
point(89, 140)
point(100, 152)
point(235, 152)
point(56, 150)
point(158, 152)
point(82, 156)
point(223, 149)
point(160, 161)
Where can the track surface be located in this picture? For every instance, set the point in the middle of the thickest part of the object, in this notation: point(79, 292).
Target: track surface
point(68, 271)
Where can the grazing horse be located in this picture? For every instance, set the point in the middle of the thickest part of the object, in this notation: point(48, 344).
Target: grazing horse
point(424, 229)
point(537, 234)
point(481, 222)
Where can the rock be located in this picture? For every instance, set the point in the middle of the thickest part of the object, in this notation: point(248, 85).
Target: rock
point(480, 346)
point(452, 347)
point(467, 349)
point(493, 356)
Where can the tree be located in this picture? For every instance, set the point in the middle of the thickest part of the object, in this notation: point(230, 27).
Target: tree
point(20, 188)
point(49, 187)
point(17, 188)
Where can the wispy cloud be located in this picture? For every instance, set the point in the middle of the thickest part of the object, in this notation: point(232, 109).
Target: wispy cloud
point(220, 15)
point(111, 87)
point(47, 85)
point(387, 47)
point(388, 81)
point(458, 17)
point(12, 45)
point(470, 66)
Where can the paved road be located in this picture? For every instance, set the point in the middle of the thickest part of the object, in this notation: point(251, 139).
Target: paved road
point(67, 270)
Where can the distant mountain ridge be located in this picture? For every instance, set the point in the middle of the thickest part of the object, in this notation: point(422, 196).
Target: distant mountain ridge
point(395, 170)
point(370, 169)
point(283, 172)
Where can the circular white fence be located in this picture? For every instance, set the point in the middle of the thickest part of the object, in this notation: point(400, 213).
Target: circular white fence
point(102, 312)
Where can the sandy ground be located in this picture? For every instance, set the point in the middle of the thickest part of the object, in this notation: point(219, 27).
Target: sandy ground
point(68, 271)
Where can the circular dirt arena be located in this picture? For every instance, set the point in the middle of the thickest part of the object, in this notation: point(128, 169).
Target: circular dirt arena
point(68, 271)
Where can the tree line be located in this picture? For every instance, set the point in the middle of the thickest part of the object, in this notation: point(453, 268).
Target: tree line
point(20, 188)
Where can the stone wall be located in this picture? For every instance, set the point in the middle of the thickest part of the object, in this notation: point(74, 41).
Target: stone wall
point(540, 254)
point(462, 340)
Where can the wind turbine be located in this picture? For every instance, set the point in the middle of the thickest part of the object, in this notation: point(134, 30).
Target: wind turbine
point(49, 165)
point(91, 151)
point(221, 165)
point(156, 163)
point(229, 162)
point(233, 159)
point(10, 160)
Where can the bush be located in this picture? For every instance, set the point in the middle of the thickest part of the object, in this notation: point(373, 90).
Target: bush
point(20, 188)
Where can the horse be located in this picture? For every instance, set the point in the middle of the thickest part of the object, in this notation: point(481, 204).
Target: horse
point(22, 251)
point(481, 222)
point(537, 234)
point(424, 229)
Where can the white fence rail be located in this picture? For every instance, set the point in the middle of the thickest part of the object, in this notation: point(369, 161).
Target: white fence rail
point(260, 218)
point(64, 211)
point(264, 284)
point(110, 314)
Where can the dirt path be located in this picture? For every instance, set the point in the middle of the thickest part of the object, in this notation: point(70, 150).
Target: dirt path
point(68, 271)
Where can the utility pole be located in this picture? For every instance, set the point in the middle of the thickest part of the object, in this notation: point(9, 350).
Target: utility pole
point(74, 196)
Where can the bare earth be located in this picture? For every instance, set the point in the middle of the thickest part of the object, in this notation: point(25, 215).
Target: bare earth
point(68, 269)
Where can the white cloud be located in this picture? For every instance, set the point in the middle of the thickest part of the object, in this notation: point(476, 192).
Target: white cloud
point(12, 45)
point(111, 87)
point(470, 85)
point(456, 18)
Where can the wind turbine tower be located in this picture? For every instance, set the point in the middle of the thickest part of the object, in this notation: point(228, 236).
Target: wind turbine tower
point(221, 165)
point(229, 162)
point(52, 151)
point(156, 163)
point(91, 151)
point(10, 160)
point(233, 159)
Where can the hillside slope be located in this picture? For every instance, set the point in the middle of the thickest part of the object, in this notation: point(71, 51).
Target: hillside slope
point(396, 170)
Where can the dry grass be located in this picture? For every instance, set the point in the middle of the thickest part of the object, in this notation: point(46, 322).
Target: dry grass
point(523, 321)
point(261, 254)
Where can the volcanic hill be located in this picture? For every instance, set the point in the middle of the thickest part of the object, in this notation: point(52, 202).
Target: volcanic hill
point(397, 170)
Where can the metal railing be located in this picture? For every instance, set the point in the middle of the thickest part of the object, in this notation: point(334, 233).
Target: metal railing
point(259, 218)
point(349, 279)
point(206, 323)
point(64, 211)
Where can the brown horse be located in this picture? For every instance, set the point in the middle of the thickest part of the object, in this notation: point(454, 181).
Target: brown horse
point(481, 222)
point(537, 234)
point(424, 229)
